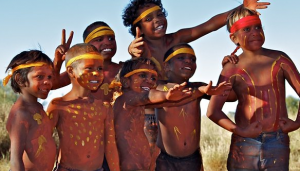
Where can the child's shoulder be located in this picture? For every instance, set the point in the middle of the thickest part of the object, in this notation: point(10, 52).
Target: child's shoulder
point(275, 53)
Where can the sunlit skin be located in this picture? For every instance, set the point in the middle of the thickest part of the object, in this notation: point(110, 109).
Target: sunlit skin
point(129, 110)
point(107, 47)
point(84, 123)
point(30, 128)
point(151, 38)
point(258, 80)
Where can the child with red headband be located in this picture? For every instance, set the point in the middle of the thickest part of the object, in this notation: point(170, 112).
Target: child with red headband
point(260, 138)
point(84, 123)
point(30, 129)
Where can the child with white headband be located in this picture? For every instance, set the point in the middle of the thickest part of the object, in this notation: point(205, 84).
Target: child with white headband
point(260, 138)
point(84, 122)
point(30, 129)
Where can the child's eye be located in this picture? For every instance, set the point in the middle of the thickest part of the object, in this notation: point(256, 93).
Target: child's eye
point(40, 77)
point(181, 58)
point(50, 77)
point(153, 78)
point(148, 19)
point(99, 68)
point(87, 68)
point(160, 14)
point(258, 27)
point(111, 38)
point(100, 39)
point(143, 75)
point(246, 29)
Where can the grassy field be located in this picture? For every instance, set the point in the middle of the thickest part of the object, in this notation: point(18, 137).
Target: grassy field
point(214, 144)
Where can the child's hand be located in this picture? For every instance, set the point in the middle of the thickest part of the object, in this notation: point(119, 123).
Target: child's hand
point(61, 50)
point(230, 58)
point(178, 92)
point(138, 47)
point(223, 88)
point(287, 125)
point(254, 5)
point(253, 130)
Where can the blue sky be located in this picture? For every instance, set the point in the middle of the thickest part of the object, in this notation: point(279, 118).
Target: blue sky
point(35, 24)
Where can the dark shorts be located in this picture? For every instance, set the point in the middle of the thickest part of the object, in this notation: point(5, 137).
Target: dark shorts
point(61, 168)
point(268, 151)
point(165, 162)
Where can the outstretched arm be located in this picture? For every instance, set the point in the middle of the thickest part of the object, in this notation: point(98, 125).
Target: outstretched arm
point(216, 22)
point(61, 80)
point(111, 151)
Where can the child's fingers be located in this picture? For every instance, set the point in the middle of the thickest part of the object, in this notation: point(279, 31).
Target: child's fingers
point(63, 36)
point(138, 32)
point(70, 38)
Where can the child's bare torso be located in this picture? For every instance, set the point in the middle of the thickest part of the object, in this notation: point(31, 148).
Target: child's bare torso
point(40, 148)
point(259, 84)
point(179, 128)
point(132, 143)
point(81, 132)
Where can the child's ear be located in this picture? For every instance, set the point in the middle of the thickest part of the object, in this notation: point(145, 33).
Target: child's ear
point(125, 82)
point(19, 80)
point(70, 71)
point(234, 39)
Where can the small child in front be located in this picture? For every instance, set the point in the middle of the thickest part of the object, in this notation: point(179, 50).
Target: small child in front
point(260, 138)
point(30, 128)
point(84, 123)
point(138, 78)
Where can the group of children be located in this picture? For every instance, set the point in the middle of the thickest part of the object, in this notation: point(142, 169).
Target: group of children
point(144, 113)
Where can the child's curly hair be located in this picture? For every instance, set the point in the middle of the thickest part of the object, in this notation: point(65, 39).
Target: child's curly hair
point(130, 12)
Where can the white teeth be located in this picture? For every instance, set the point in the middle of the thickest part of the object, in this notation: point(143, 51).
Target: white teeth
point(93, 81)
point(159, 27)
point(146, 88)
point(188, 68)
point(106, 50)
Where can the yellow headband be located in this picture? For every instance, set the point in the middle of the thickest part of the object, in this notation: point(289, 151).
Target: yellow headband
point(179, 51)
point(85, 56)
point(140, 70)
point(22, 66)
point(145, 13)
point(100, 31)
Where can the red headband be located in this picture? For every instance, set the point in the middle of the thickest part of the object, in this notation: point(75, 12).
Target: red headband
point(245, 22)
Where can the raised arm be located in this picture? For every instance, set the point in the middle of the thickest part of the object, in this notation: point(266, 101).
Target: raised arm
point(216, 22)
point(61, 80)
point(111, 151)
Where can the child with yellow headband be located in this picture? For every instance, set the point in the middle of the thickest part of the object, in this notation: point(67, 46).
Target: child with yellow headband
point(100, 35)
point(260, 138)
point(138, 78)
point(30, 129)
point(148, 23)
point(84, 122)
point(179, 124)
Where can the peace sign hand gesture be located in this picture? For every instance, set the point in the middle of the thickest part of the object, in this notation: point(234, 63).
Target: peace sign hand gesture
point(60, 52)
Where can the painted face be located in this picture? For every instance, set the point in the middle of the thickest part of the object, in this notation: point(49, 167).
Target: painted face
point(106, 45)
point(154, 24)
point(40, 81)
point(182, 67)
point(143, 81)
point(89, 73)
point(250, 38)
